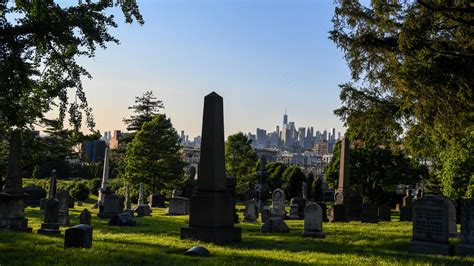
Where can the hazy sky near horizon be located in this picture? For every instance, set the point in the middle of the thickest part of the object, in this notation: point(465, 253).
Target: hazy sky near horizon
point(260, 56)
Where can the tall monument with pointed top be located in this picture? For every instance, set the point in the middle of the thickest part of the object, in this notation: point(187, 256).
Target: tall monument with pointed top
point(211, 212)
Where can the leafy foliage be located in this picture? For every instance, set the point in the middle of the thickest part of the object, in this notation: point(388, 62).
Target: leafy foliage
point(79, 190)
point(275, 177)
point(412, 77)
point(240, 160)
point(293, 181)
point(154, 156)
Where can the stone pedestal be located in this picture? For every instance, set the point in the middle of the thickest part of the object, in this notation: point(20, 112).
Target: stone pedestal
point(12, 217)
point(50, 226)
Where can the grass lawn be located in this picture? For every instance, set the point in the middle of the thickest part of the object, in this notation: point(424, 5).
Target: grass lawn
point(155, 240)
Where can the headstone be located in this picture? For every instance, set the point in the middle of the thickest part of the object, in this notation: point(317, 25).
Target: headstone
point(157, 200)
point(12, 216)
point(278, 203)
point(369, 213)
point(293, 212)
point(142, 209)
point(431, 226)
point(266, 214)
point(33, 196)
point(63, 198)
point(179, 206)
point(113, 204)
point(105, 180)
point(51, 211)
point(301, 203)
point(338, 213)
point(385, 213)
point(211, 216)
point(79, 236)
point(313, 221)
point(466, 247)
point(42, 204)
point(275, 225)
point(85, 217)
point(324, 211)
point(122, 219)
point(408, 199)
point(128, 200)
point(250, 211)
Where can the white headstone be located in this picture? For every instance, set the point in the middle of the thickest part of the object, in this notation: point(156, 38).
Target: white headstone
point(313, 221)
point(105, 177)
point(278, 203)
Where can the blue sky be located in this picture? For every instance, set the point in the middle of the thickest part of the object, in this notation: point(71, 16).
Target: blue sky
point(261, 56)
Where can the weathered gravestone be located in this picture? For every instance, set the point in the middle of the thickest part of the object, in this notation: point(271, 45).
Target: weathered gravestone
point(385, 213)
point(211, 216)
point(12, 216)
point(178, 206)
point(142, 209)
point(466, 247)
point(33, 196)
point(63, 198)
point(301, 203)
point(157, 200)
point(79, 236)
point(293, 212)
point(85, 217)
point(278, 203)
point(275, 225)
point(251, 213)
point(431, 226)
point(369, 213)
point(51, 210)
point(122, 219)
point(266, 214)
point(113, 204)
point(313, 221)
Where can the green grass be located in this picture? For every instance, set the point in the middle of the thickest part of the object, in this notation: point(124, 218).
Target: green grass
point(155, 240)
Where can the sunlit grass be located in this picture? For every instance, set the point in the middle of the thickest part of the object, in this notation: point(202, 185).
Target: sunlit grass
point(155, 240)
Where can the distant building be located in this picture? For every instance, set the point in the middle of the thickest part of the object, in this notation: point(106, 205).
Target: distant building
point(94, 150)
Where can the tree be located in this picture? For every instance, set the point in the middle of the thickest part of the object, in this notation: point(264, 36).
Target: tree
point(309, 183)
point(412, 67)
point(145, 108)
point(375, 171)
point(40, 42)
point(318, 189)
point(240, 160)
point(293, 181)
point(154, 156)
point(275, 177)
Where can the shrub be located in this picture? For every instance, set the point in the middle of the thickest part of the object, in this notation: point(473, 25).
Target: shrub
point(79, 190)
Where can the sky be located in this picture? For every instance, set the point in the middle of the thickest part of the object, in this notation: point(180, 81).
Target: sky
point(261, 56)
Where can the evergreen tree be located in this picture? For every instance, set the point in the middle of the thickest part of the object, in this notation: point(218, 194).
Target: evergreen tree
point(318, 189)
point(240, 160)
point(275, 171)
point(146, 107)
point(294, 178)
point(154, 156)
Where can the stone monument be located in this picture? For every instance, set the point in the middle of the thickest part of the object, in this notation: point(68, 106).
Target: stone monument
point(51, 211)
point(275, 225)
point(142, 209)
point(293, 211)
point(79, 236)
point(211, 213)
point(266, 214)
point(85, 217)
point(369, 213)
point(190, 184)
point(431, 226)
point(385, 213)
point(12, 216)
point(231, 186)
point(128, 201)
point(278, 203)
point(105, 180)
point(406, 210)
point(157, 200)
point(251, 213)
point(313, 221)
point(178, 206)
point(113, 204)
point(63, 197)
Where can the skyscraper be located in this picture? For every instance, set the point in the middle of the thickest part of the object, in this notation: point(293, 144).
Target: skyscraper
point(285, 119)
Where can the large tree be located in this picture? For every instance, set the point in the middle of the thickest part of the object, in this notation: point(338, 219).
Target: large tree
point(154, 156)
point(412, 78)
point(40, 42)
point(240, 160)
point(145, 108)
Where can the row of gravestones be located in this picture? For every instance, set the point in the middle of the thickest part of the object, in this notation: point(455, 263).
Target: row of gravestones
point(434, 222)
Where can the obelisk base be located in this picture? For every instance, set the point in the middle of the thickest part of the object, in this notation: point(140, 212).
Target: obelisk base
point(12, 217)
point(211, 219)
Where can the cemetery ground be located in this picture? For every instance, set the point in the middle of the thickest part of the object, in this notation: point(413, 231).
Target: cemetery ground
point(156, 240)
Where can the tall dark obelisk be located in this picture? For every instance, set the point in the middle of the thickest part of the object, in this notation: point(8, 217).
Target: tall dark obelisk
point(211, 213)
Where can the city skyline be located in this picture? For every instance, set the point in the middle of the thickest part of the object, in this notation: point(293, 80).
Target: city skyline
point(260, 57)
